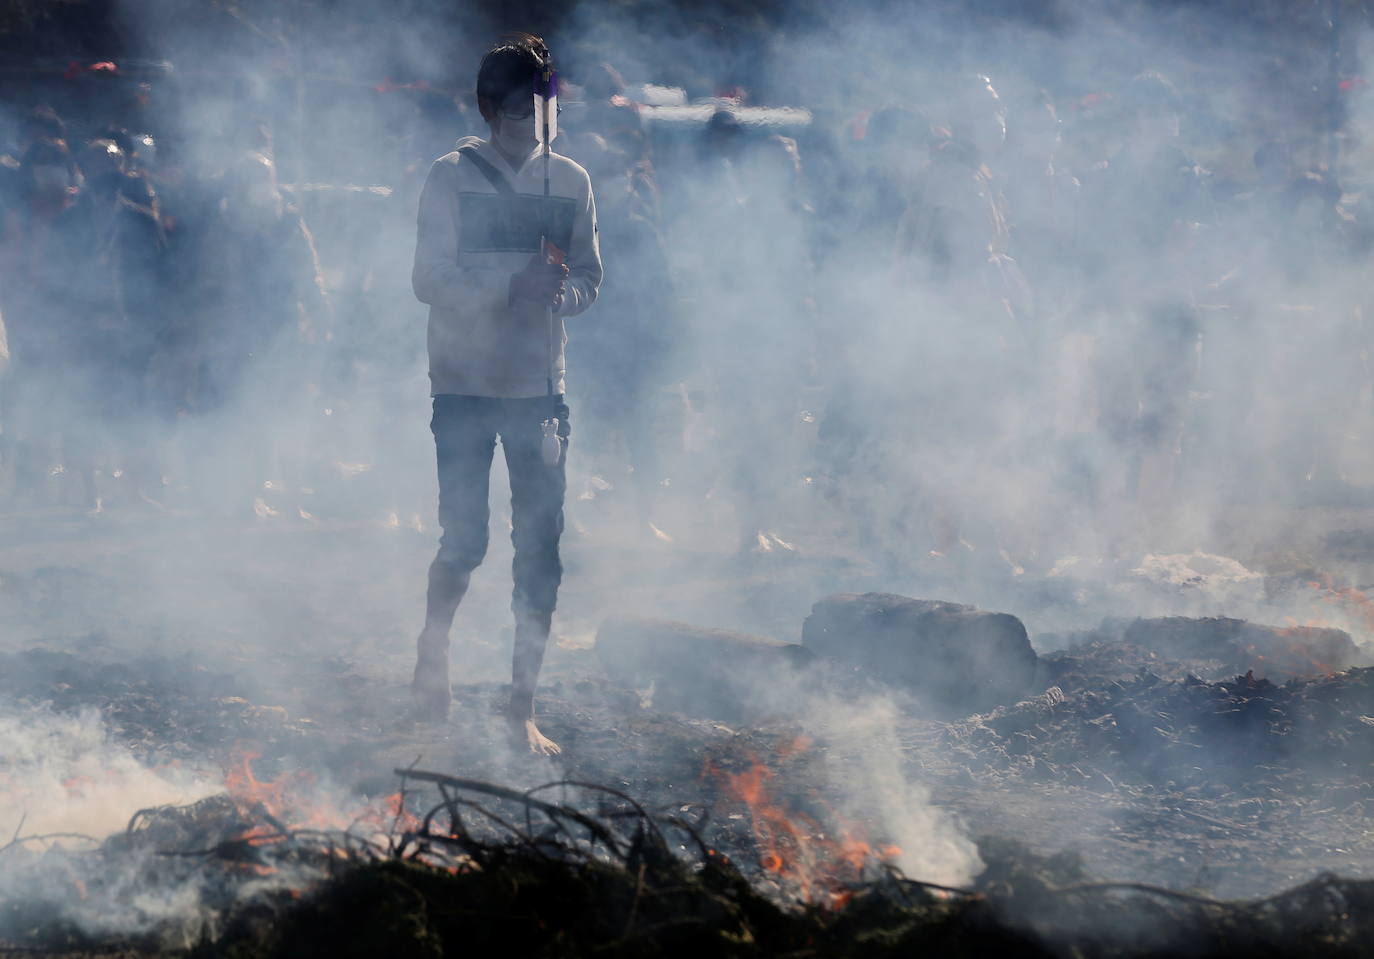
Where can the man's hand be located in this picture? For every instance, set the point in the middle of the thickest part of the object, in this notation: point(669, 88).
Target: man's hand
point(540, 283)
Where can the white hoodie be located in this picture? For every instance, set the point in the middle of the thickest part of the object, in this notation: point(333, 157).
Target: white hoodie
point(470, 240)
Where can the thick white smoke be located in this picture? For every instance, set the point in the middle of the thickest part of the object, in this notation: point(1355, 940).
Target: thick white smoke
point(65, 773)
point(845, 409)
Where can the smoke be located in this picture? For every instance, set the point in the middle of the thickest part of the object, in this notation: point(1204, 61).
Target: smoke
point(66, 784)
point(876, 787)
point(847, 357)
point(63, 773)
point(900, 328)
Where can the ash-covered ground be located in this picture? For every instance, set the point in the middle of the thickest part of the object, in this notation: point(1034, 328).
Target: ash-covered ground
point(198, 641)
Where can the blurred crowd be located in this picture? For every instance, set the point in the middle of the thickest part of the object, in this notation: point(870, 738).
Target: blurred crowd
point(137, 295)
point(984, 322)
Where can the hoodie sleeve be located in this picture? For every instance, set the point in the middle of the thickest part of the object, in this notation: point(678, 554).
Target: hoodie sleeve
point(584, 259)
point(437, 278)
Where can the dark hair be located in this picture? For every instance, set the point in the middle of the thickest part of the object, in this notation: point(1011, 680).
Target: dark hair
point(724, 134)
point(512, 65)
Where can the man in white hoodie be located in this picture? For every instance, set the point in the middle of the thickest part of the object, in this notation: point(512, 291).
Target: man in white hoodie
point(506, 248)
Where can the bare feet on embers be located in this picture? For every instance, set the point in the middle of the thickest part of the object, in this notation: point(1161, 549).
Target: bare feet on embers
point(537, 743)
point(524, 734)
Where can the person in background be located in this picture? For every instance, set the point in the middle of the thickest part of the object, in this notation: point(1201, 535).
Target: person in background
point(625, 354)
point(136, 186)
point(965, 301)
point(41, 123)
point(31, 282)
point(751, 296)
point(1059, 438)
point(887, 156)
point(112, 311)
point(1148, 206)
point(264, 311)
point(488, 243)
point(187, 211)
point(1290, 318)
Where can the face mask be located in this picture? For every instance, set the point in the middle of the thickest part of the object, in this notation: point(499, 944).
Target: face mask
point(514, 137)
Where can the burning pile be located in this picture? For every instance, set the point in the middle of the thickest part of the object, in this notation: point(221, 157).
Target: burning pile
point(488, 870)
point(492, 867)
point(716, 839)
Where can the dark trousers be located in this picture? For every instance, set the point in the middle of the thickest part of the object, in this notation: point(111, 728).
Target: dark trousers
point(465, 431)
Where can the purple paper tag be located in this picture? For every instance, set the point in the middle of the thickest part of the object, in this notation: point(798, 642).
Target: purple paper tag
point(546, 88)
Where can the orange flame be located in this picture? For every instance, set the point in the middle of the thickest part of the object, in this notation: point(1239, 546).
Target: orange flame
point(293, 802)
point(389, 812)
point(1355, 602)
point(795, 846)
point(1302, 658)
point(254, 797)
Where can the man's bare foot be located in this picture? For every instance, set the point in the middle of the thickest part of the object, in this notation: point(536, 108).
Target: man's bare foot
point(524, 734)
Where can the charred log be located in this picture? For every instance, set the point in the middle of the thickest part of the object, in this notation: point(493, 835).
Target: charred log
point(1275, 652)
point(955, 658)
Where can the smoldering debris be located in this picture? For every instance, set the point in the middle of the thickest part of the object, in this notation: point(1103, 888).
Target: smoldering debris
point(1272, 652)
point(1302, 736)
point(563, 910)
point(485, 870)
point(1120, 726)
point(655, 903)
